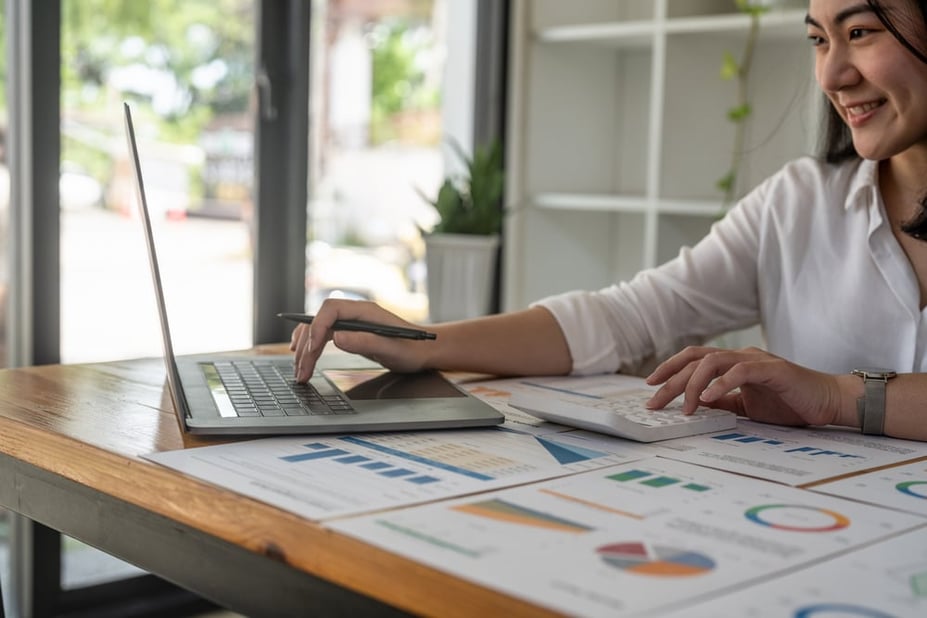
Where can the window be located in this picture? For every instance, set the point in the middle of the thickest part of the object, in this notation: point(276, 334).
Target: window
point(187, 69)
point(379, 124)
point(190, 68)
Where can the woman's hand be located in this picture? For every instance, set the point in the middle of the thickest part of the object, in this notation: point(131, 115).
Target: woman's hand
point(308, 340)
point(750, 382)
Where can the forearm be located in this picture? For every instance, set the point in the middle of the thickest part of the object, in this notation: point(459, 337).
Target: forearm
point(527, 342)
point(905, 405)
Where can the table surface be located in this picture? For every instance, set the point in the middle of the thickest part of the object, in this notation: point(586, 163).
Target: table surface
point(72, 439)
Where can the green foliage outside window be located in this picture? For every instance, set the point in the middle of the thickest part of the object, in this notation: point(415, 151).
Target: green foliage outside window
point(400, 81)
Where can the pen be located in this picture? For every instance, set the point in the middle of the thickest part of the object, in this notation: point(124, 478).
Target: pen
point(383, 330)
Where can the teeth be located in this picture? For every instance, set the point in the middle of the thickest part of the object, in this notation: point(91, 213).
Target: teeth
point(865, 107)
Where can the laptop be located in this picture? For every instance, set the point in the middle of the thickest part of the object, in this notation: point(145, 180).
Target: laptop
point(255, 394)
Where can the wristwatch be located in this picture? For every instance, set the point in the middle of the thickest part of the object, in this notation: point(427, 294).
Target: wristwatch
point(870, 408)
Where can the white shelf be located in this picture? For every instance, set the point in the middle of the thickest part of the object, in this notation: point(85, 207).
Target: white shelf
point(636, 34)
point(618, 131)
point(591, 202)
point(788, 25)
point(617, 34)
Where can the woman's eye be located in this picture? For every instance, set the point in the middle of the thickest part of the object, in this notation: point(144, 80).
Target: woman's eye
point(856, 33)
point(815, 40)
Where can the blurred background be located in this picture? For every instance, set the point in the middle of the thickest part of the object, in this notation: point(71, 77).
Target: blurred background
point(388, 82)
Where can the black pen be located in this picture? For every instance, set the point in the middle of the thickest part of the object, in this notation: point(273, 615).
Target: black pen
point(383, 330)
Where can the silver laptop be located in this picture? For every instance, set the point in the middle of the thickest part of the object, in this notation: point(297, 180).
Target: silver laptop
point(256, 394)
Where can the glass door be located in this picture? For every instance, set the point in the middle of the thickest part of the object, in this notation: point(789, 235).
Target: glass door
point(187, 69)
point(376, 141)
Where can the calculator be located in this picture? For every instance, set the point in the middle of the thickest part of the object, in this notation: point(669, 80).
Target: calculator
point(619, 413)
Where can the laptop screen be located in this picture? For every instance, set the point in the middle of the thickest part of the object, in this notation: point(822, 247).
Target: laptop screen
point(173, 375)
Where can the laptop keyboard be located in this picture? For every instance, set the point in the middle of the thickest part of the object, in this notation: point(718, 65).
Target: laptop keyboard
point(267, 388)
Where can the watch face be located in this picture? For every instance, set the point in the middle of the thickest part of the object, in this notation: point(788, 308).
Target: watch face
point(873, 373)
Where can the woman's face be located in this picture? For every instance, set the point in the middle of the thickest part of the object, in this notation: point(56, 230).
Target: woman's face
point(877, 86)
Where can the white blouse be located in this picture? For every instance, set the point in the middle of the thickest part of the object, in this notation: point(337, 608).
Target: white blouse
point(809, 255)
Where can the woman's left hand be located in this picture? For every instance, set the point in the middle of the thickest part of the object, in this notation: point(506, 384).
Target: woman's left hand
point(750, 382)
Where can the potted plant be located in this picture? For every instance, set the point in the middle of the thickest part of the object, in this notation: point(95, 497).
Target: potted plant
point(462, 249)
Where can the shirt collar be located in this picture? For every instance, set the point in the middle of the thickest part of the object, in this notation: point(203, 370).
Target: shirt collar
point(864, 186)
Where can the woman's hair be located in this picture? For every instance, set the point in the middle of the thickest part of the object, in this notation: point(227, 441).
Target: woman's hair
point(909, 26)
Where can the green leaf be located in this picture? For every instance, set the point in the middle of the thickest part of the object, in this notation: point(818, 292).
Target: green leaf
point(729, 67)
point(739, 112)
point(726, 182)
point(473, 204)
point(752, 7)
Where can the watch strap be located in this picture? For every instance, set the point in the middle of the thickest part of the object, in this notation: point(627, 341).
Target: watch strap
point(871, 407)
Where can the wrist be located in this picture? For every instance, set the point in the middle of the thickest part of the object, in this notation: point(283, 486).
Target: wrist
point(851, 390)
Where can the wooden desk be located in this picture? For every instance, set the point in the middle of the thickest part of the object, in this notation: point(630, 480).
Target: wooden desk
point(71, 441)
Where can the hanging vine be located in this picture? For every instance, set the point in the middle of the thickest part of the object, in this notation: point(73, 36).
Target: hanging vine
point(736, 70)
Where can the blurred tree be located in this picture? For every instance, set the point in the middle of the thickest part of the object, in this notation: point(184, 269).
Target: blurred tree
point(185, 60)
point(401, 50)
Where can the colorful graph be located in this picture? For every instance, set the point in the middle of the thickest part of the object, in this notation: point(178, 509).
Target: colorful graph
point(656, 561)
point(501, 510)
point(917, 489)
point(814, 451)
point(797, 518)
point(839, 609)
point(320, 451)
point(655, 481)
point(747, 439)
point(568, 453)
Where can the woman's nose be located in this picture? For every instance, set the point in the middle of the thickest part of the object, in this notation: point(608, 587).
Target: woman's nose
point(835, 69)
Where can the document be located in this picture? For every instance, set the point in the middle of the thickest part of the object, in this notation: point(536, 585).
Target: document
point(901, 487)
point(497, 394)
point(791, 455)
point(319, 477)
point(885, 580)
point(650, 535)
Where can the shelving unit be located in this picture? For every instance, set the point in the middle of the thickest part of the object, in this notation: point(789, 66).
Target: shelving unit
point(618, 131)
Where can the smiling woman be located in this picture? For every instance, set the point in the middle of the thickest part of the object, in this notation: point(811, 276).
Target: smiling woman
point(875, 97)
point(824, 232)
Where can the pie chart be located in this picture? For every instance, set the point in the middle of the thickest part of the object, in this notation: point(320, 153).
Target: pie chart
point(656, 560)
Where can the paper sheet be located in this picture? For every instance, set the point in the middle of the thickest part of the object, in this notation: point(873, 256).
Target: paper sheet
point(886, 580)
point(328, 476)
point(790, 455)
point(630, 538)
point(901, 487)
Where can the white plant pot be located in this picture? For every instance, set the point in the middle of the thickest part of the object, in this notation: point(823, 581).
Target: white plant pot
point(460, 274)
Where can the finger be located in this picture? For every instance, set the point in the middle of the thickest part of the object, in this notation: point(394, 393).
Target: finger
point(739, 374)
point(674, 364)
point(293, 341)
point(672, 387)
point(732, 402)
point(712, 369)
point(303, 361)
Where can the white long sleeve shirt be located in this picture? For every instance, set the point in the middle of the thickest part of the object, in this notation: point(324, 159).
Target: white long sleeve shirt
point(809, 255)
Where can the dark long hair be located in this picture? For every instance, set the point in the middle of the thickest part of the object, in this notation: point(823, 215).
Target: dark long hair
point(910, 28)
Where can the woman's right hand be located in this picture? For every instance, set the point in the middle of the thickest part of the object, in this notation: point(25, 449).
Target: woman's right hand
point(308, 340)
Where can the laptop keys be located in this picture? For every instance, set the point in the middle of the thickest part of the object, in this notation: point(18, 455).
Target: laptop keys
point(264, 388)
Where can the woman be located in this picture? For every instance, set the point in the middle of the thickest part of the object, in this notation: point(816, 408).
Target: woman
point(826, 255)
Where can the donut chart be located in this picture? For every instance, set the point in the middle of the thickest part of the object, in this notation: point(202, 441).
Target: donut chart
point(656, 561)
point(797, 518)
point(917, 489)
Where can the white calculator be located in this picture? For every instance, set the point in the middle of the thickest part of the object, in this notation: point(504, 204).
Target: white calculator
point(614, 405)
